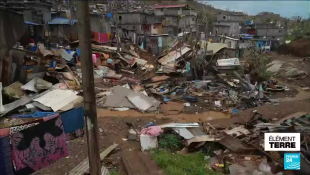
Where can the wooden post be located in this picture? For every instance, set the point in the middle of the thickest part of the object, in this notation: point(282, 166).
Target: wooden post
point(88, 87)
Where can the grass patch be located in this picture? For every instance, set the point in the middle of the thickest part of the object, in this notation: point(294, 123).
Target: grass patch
point(170, 141)
point(175, 164)
point(113, 172)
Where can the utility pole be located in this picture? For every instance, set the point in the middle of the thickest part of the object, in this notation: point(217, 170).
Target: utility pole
point(88, 87)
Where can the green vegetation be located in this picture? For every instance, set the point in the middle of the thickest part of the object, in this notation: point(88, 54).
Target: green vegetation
point(113, 172)
point(256, 64)
point(170, 142)
point(263, 74)
point(298, 28)
point(175, 164)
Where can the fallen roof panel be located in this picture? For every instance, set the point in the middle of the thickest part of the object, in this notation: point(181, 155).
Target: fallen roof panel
point(173, 55)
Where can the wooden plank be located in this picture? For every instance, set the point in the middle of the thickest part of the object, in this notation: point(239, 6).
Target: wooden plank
point(133, 163)
point(201, 138)
point(235, 144)
point(83, 167)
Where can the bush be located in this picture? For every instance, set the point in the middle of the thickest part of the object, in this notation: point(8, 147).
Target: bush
point(175, 164)
point(256, 64)
point(170, 141)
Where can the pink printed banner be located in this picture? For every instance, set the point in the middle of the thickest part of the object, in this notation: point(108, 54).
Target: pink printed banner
point(39, 146)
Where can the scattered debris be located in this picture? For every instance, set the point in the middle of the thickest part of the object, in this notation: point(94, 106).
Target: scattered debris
point(83, 167)
point(148, 142)
point(171, 108)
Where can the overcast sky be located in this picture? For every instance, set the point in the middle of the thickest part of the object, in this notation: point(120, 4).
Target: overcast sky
point(284, 8)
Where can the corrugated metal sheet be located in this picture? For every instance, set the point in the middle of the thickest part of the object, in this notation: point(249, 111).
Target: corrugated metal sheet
point(62, 21)
point(31, 23)
point(215, 47)
point(173, 55)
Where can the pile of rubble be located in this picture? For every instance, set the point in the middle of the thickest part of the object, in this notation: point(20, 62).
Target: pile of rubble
point(234, 150)
point(131, 78)
point(183, 76)
point(181, 79)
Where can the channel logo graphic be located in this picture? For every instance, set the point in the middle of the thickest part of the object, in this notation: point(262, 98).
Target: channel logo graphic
point(282, 142)
point(292, 161)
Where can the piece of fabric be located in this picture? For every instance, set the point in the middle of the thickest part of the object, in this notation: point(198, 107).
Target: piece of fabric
point(78, 51)
point(50, 117)
point(160, 42)
point(106, 55)
point(152, 131)
point(37, 114)
point(94, 58)
point(109, 60)
point(6, 164)
point(33, 48)
point(4, 132)
point(109, 15)
point(104, 37)
point(16, 129)
point(73, 119)
point(96, 36)
point(38, 146)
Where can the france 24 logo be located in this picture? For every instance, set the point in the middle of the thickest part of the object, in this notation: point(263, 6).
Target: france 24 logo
point(292, 161)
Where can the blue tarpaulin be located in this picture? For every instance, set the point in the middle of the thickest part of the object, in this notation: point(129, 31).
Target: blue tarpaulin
point(73, 119)
point(65, 21)
point(109, 15)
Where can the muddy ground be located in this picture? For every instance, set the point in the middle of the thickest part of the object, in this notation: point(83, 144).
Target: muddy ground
point(113, 126)
point(298, 62)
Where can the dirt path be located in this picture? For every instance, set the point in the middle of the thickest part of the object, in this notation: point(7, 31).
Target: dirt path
point(205, 116)
point(301, 94)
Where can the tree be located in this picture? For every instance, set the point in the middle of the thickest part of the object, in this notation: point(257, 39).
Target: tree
point(298, 28)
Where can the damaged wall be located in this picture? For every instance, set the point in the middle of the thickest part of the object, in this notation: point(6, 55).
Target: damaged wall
point(187, 21)
point(10, 33)
point(170, 30)
point(156, 29)
point(168, 11)
point(64, 31)
point(131, 18)
point(99, 24)
point(170, 21)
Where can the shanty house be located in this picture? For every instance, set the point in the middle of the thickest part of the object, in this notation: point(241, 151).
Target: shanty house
point(170, 25)
point(36, 14)
point(265, 31)
point(232, 43)
point(99, 23)
point(228, 23)
point(37, 11)
point(176, 18)
point(131, 21)
point(156, 44)
point(63, 28)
